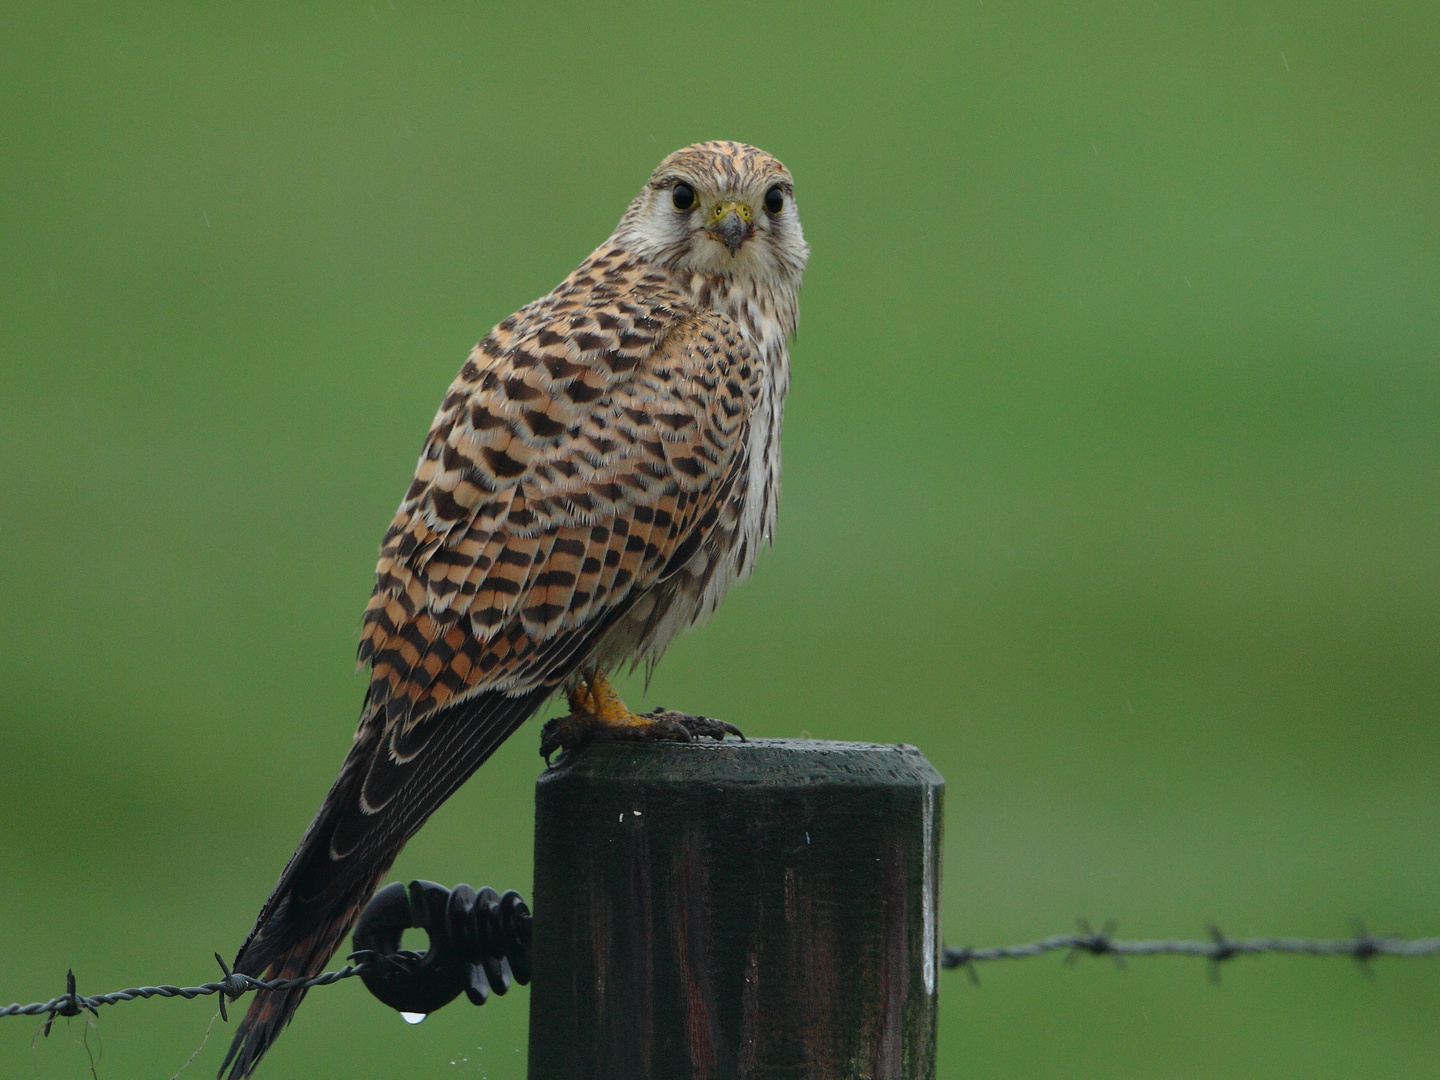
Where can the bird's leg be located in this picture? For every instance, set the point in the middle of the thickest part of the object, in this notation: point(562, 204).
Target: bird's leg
point(595, 699)
point(598, 714)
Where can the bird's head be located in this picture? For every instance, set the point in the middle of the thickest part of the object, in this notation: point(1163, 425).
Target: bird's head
point(719, 208)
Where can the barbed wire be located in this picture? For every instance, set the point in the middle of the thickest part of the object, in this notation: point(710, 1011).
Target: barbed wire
point(231, 987)
point(1218, 949)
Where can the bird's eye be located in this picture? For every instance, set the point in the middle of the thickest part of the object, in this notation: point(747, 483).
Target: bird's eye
point(683, 196)
point(775, 200)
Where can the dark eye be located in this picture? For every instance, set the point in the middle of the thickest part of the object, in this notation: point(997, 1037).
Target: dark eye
point(775, 200)
point(683, 196)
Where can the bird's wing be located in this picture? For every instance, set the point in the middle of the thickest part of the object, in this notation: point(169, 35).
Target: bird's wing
point(563, 473)
point(574, 463)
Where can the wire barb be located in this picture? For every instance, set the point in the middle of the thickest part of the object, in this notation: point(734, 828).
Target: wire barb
point(69, 1004)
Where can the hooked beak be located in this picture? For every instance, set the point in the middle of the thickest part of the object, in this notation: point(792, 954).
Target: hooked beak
point(730, 223)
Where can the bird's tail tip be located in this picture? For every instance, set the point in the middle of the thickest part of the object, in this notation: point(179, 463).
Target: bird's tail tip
point(271, 1010)
point(267, 1016)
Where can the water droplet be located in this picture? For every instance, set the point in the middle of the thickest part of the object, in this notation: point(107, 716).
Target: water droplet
point(412, 1018)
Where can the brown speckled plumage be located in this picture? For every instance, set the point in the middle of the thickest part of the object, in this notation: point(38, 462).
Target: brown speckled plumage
point(603, 468)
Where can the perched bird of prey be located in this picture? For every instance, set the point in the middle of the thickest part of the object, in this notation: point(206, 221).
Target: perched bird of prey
point(605, 466)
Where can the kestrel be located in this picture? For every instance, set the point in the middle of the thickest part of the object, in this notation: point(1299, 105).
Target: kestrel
point(605, 466)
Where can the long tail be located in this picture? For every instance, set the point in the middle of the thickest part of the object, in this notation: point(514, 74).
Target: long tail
point(392, 780)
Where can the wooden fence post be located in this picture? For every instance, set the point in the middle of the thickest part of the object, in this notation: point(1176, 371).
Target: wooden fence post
point(767, 909)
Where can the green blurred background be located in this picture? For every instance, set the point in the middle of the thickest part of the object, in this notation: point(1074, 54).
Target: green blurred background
point(1112, 478)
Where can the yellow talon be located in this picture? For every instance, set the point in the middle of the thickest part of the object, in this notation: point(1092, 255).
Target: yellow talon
point(597, 713)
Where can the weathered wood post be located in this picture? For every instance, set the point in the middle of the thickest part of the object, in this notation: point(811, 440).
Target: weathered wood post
point(762, 909)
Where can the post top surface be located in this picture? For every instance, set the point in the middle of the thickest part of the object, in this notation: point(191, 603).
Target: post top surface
point(783, 762)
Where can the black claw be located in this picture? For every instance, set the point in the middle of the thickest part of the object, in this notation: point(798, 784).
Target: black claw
point(698, 726)
point(569, 732)
point(563, 733)
point(669, 726)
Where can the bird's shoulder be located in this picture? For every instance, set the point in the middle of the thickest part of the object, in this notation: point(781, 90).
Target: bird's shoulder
point(576, 384)
point(605, 326)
